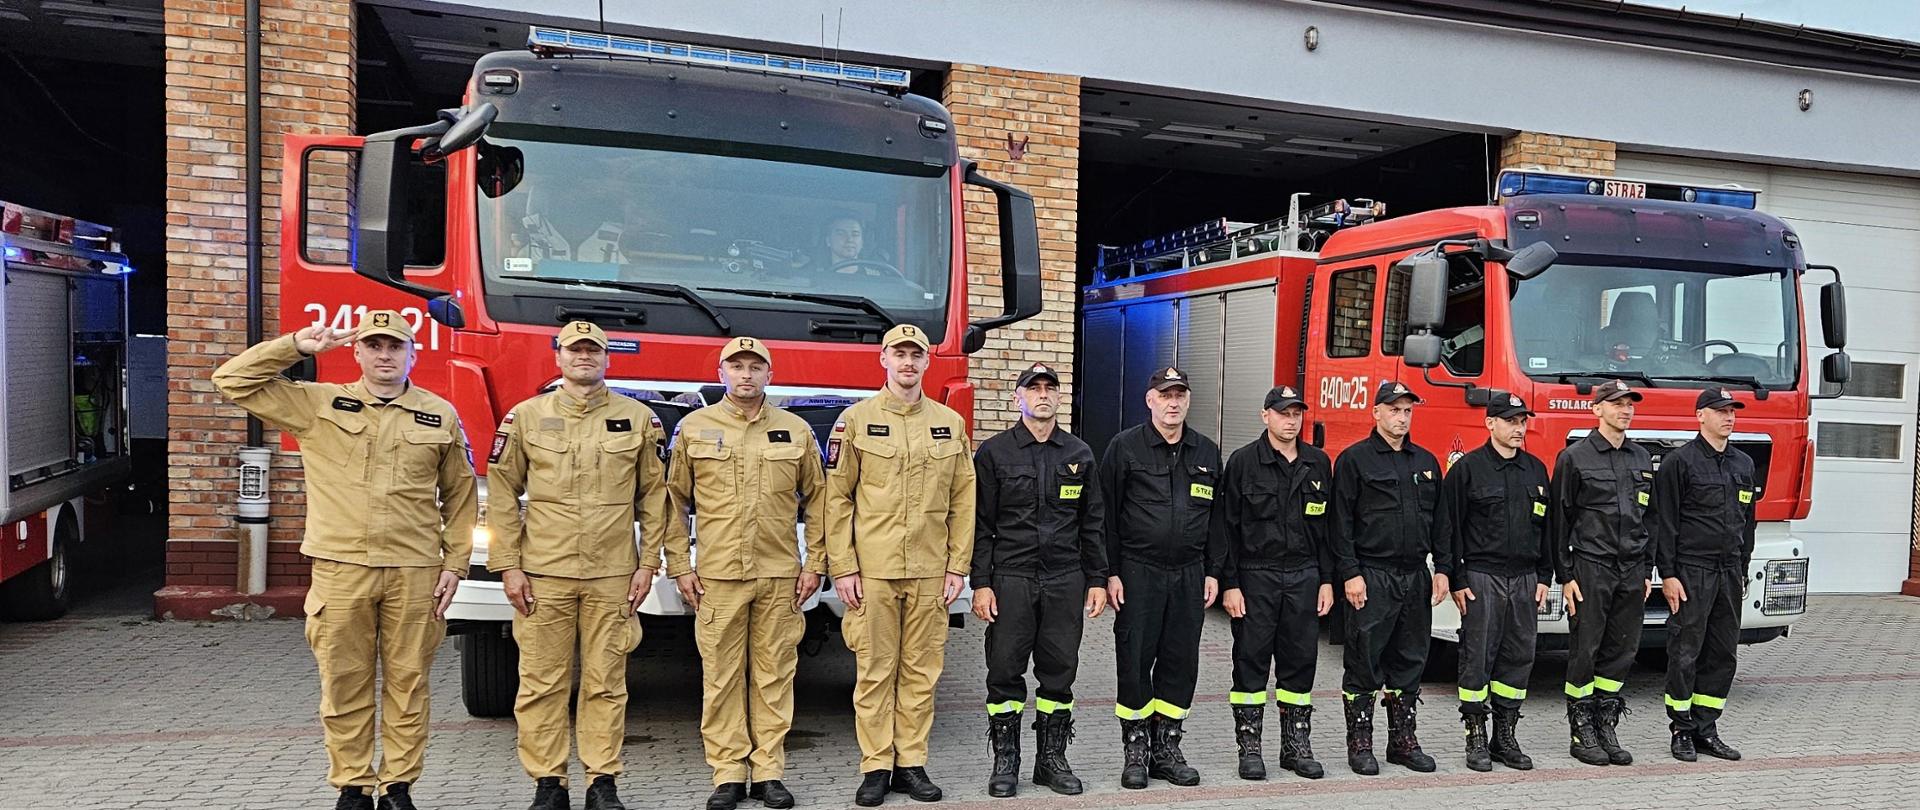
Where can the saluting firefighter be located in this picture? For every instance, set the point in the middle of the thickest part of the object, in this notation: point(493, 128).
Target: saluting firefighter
point(1039, 571)
point(1493, 552)
point(746, 469)
point(1158, 480)
point(1271, 554)
point(900, 513)
point(1602, 486)
point(390, 514)
point(589, 463)
point(1384, 491)
point(1703, 522)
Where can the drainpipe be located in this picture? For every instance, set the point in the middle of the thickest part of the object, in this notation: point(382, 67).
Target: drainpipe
point(255, 458)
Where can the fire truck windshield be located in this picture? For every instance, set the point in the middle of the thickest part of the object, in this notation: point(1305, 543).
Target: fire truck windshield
point(559, 204)
point(1581, 320)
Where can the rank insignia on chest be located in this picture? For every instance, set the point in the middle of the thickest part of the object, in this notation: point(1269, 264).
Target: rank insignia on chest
point(1073, 468)
point(619, 426)
point(348, 404)
point(879, 430)
point(428, 419)
point(943, 433)
point(779, 437)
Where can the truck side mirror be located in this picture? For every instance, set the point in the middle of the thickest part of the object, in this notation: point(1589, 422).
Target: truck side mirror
point(1426, 290)
point(1531, 260)
point(1833, 315)
point(1019, 259)
point(380, 222)
point(1421, 350)
point(1837, 368)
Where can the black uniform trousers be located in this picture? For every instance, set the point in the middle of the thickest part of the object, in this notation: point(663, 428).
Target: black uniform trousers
point(1280, 633)
point(1387, 639)
point(1040, 621)
point(1701, 640)
point(1496, 639)
point(1156, 639)
point(1606, 626)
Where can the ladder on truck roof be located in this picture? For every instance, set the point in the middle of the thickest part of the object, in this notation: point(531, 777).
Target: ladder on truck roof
point(1220, 240)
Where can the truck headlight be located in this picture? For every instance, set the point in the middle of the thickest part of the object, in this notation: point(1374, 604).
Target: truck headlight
point(482, 536)
point(1786, 587)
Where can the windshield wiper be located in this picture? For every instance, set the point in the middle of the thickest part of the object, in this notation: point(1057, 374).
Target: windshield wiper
point(859, 302)
point(1567, 377)
point(1750, 382)
point(650, 288)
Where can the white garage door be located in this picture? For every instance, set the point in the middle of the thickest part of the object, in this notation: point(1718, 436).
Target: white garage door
point(1860, 530)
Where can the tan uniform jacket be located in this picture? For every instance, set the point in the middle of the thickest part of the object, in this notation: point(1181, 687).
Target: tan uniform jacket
point(899, 490)
point(389, 484)
point(589, 468)
point(746, 482)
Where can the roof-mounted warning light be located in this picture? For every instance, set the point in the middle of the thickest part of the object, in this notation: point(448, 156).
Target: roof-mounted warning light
point(557, 41)
point(1519, 183)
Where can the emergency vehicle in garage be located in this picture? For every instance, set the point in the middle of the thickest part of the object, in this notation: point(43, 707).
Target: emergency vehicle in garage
point(677, 196)
point(1565, 283)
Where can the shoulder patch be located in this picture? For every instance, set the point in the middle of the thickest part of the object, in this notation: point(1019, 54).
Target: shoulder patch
point(499, 446)
point(833, 452)
point(348, 404)
point(655, 419)
point(428, 419)
point(879, 430)
point(840, 426)
point(508, 420)
point(943, 432)
point(619, 425)
point(779, 437)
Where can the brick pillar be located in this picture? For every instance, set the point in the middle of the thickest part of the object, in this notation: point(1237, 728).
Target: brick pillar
point(1557, 153)
point(307, 56)
point(993, 108)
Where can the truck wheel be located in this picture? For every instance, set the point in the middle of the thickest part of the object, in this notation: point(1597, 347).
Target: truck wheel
point(489, 672)
point(1443, 661)
point(45, 591)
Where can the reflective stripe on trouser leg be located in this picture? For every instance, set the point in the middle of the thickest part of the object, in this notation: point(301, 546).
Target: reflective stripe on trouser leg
point(1606, 630)
point(1703, 637)
point(342, 623)
point(1005, 707)
point(409, 637)
point(1472, 695)
point(1497, 638)
point(1247, 698)
point(1128, 713)
point(609, 632)
point(923, 646)
point(1286, 698)
point(1280, 632)
point(1171, 711)
point(1045, 706)
point(1508, 692)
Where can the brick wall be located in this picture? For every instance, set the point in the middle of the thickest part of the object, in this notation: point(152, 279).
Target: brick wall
point(307, 57)
point(989, 105)
point(1557, 153)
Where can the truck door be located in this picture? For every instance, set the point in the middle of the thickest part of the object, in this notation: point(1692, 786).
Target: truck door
point(1344, 361)
point(1448, 425)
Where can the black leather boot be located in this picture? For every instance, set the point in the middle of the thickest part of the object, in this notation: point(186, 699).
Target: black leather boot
point(1050, 767)
point(1505, 746)
point(1003, 735)
point(1360, 736)
point(1246, 734)
point(549, 793)
point(1606, 717)
point(1478, 757)
point(1296, 742)
point(1166, 761)
point(1585, 745)
point(1135, 749)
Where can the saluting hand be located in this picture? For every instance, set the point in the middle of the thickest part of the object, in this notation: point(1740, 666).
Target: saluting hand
point(316, 339)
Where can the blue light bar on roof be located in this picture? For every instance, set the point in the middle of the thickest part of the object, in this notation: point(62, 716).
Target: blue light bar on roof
point(560, 40)
point(1515, 183)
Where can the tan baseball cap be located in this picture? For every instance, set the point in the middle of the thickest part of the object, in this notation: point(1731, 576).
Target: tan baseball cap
point(384, 322)
point(746, 345)
point(577, 331)
point(906, 333)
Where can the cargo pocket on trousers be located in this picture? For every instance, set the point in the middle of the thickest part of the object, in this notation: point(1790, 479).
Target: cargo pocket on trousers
point(315, 604)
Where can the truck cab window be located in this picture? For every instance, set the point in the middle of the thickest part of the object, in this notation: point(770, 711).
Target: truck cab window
point(1463, 336)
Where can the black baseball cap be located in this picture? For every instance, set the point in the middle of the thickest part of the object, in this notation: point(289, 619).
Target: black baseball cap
point(1391, 390)
point(1168, 377)
point(1615, 389)
point(1503, 405)
point(1037, 371)
point(1715, 399)
point(1282, 397)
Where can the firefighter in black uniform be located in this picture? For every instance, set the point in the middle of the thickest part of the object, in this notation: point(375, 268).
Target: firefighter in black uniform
point(1039, 571)
point(1270, 552)
point(1493, 551)
point(1384, 491)
point(1157, 480)
point(1602, 485)
point(1703, 502)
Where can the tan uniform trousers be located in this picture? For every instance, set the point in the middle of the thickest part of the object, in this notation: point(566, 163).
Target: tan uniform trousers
point(748, 627)
point(899, 642)
point(588, 617)
point(357, 615)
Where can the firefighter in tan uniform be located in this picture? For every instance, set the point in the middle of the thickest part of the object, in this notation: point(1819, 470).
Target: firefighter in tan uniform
point(746, 469)
point(390, 513)
point(900, 514)
point(589, 463)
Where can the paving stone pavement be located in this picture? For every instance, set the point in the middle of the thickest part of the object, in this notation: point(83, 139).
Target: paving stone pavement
point(109, 709)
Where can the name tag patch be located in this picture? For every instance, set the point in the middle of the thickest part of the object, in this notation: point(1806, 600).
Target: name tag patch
point(1070, 492)
point(348, 404)
point(1316, 509)
point(779, 437)
point(619, 426)
point(1201, 491)
point(879, 430)
point(1642, 498)
point(943, 433)
point(1746, 496)
point(1539, 509)
point(428, 419)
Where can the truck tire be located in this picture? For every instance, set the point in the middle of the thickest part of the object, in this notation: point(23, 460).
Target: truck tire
point(45, 591)
point(489, 672)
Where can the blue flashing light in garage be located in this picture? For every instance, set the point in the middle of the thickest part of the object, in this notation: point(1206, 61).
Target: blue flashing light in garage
point(1524, 183)
point(560, 40)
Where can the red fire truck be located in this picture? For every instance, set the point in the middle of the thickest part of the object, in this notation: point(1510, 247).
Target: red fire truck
point(677, 196)
point(63, 360)
point(1567, 282)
